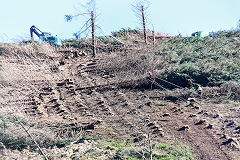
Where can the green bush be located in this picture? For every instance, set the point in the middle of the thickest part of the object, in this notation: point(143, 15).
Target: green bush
point(109, 41)
point(184, 61)
point(13, 142)
point(161, 151)
point(13, 136)
point(209, 60)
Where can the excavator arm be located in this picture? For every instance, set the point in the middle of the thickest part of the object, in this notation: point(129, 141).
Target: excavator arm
point(45, 36)
point(35, 30)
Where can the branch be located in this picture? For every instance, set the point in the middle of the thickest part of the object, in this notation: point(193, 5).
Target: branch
point(69, 17)
point(31, 138)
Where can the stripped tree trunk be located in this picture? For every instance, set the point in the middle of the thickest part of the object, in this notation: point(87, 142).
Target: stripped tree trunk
point(150, 146)
point(154, 38)
point(93, 35)
point(144, 25)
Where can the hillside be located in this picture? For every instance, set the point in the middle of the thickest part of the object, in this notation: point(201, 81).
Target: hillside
point(79, 107)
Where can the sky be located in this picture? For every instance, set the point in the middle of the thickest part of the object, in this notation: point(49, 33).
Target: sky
point(166, 16)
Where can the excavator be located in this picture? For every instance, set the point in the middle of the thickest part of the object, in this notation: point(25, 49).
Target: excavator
point(45, 36)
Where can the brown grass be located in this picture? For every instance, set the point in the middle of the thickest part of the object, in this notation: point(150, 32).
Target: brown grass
point(25, 69)
point(130, 66)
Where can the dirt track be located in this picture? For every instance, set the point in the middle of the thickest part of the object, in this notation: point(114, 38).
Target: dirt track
point(126, 112)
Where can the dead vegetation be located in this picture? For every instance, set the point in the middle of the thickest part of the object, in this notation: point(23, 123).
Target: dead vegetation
point(25, 69)
point(64, 98)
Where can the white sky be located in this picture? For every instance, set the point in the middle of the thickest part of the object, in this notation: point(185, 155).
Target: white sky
point(167, 16)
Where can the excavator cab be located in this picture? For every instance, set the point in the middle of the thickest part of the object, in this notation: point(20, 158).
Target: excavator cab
point(53, 40)
point(45, 36)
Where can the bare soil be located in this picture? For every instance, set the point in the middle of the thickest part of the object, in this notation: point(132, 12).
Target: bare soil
point(83, 100)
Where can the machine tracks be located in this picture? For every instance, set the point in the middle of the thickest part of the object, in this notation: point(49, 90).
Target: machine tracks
point(191, 126)
point(89, 98)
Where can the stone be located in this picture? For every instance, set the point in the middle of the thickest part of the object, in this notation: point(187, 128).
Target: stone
point(237, 128)
point(215, 116)
point(183, 128)
point(148, 103)
point(150, 124)
point(75, 150)
point(166, 115)
point(202, 121)
point(229, 140)
point(158, 131)
point(192, 115)
point(196, 107)
point(110, 148)
point(210, 126)
point(231, 124)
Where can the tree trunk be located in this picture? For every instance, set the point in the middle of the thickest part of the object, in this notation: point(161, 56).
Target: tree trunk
point(150, 146)
point(154, 38)
point(144, 25)
point(93, 35)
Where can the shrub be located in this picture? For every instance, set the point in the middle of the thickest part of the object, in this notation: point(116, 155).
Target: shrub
point(161, 151)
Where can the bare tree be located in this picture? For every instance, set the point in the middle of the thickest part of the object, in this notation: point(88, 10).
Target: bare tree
point(89, 14)
point(93, 33)
point(140, 7)
point(84, 12)
point(153, 35)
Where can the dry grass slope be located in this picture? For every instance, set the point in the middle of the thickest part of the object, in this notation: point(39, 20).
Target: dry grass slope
point(67, 101)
